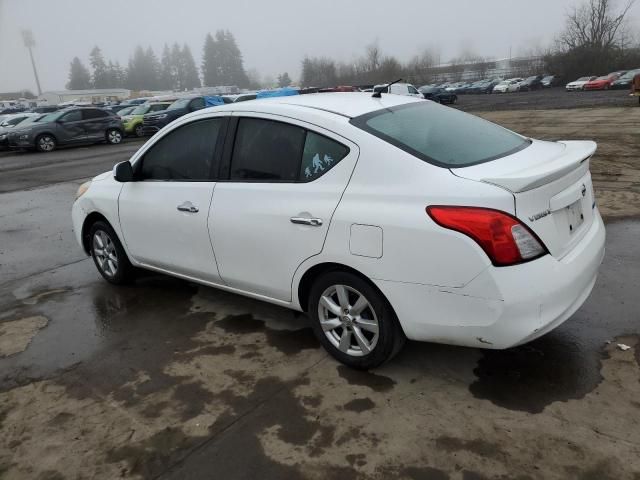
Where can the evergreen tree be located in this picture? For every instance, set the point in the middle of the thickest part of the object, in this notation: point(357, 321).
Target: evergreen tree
point(100, 77)
point(151, 69)
point(135, 72)
point(79, 77)
point(284, 80)
point(210, 62)
point(236, 74)
point(175, 56)
point(167, 80)
point(188, 69)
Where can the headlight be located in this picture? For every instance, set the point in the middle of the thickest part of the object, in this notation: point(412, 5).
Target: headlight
point(24, 136)
point(162, 116)
point(82, 189)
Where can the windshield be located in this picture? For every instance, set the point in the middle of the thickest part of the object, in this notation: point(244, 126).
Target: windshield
point(442, 136)
point(630, 75)
point(583, 79)
point(52, 117)
point(29, 120)
point(182, 103)
point(603, 78)
point(141, 110)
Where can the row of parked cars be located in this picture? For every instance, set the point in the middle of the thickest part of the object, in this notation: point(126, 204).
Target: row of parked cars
point(499, 85)
point(620, 80)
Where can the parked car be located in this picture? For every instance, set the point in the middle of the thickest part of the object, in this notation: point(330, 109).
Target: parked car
point(10, 122)
point(70, 126)
point(624, 82)
point(376, 216)
point(483, 86)
point(44, 109)
point(550, 81)
point(437, 94)
point(126, 111)
point(132, 121)
point(509, 85)
point(154, 121)
point(578, 84)
point(405, 89)
point(240, 97)
point(601, 83)
point(531, 83)
point(134, 101)
point(118, 108)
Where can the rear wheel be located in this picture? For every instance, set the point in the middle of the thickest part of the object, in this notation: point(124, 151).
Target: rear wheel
point(46, 143)
point(108, 255)
point(139, 131)
point(454, 99)
point(353, 321)
point(114, 136)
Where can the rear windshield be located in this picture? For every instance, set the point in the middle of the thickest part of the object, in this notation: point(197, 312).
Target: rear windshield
point(440, 135)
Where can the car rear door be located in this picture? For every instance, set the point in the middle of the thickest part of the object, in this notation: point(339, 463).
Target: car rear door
point(95, 123)
point(163, 213)
point(282, 182)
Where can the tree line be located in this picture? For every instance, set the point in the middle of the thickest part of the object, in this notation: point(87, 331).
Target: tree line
point(222, 64)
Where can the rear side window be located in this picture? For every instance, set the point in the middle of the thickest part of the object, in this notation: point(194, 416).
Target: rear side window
point(439, 135)
point(197, 103)
point(157, 108)
point(319, 155)
point(73, 116)
point(267, 151)
point(93, 114)
point(185, 154)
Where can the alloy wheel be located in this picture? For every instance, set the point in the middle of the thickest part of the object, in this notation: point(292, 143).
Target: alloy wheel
point(46, 144)
point(348, 320)
point(114, 136)
point(104, 251)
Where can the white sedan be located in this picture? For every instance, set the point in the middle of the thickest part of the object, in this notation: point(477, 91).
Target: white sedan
point(578, 84)
point(382, 218)
point(510, 85)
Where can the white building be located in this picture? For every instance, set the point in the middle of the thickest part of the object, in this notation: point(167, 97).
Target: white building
point(89, 96)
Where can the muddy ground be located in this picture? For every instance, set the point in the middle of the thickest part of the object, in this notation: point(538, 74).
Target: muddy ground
point(166, 379)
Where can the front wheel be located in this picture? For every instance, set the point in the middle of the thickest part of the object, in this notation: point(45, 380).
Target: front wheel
point(45, 143)
point(353, 321)
point(139, 131)
point(108, 255)
point(114, 136)
point(454, 99)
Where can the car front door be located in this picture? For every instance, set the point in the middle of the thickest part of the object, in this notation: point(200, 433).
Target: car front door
point(163, 212)
point(282, 184)
point(70, 127)
point(95, 123)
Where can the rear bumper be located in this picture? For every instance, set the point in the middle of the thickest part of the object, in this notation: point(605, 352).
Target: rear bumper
point(502, 307)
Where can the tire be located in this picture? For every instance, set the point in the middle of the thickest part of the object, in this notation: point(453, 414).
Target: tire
point(108, 255)
point(361, 339)
point(113, 136)
point(138, 131)
point(454, 99)
point(46, 143)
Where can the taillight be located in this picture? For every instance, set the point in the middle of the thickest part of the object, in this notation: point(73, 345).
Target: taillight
point(503, 237)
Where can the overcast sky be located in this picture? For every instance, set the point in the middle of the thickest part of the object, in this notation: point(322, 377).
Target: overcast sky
point(273, 35)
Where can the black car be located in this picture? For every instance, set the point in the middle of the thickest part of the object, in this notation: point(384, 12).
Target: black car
point(152, 122)
point(624, 82)
point(551, 81)
point(69, 126)
point(531, 83)
point(438, 94)
point(483, 86)
point(122, 106)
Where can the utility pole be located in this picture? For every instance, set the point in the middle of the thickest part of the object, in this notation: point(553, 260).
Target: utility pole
point(29, 42)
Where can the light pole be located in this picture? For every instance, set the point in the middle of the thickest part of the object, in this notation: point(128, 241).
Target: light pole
point(29, 42)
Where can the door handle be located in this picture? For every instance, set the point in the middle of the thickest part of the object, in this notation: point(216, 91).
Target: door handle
point(188, 207)
point(314, 222)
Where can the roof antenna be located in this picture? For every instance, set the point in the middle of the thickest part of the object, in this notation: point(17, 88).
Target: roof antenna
point(378, 94)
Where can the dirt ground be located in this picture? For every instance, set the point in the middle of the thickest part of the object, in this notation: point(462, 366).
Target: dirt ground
point(616, 164)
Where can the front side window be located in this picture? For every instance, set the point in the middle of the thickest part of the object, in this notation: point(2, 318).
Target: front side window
point(185, 154)
point(412, 89)
point(267, 151)
point(197, 103)
point(442, 136)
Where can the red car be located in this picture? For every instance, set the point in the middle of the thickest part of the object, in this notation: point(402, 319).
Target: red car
point(602, 83)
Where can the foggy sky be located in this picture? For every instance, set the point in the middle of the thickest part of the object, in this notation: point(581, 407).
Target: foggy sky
point(273, 35)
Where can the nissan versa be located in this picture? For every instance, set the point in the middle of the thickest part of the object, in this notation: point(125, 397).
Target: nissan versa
point(376, 216)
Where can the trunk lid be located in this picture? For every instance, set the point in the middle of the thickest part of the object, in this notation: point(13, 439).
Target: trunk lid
point(552, 189)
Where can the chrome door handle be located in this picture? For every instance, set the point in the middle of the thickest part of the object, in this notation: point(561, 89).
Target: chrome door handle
point(314, 222)
point(188, 207)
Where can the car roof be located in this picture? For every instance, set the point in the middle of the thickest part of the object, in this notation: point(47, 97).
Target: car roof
point(345, 104)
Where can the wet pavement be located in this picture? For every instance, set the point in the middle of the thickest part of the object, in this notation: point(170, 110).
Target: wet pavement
point(167, 379)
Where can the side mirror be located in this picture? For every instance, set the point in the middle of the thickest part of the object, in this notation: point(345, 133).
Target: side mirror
point(123, 172)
